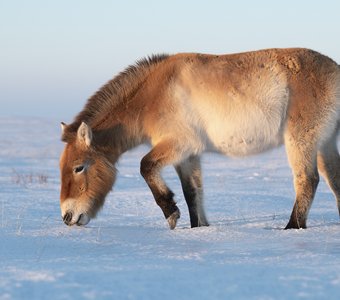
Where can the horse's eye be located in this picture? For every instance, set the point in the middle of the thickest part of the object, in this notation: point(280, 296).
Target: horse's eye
point(79, 169)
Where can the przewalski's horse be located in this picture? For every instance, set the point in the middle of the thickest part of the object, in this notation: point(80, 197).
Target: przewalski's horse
point(186, 104)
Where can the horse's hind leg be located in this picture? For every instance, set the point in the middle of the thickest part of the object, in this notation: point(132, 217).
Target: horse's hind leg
point(329, 167)
point(189, 172)
point(302, 158)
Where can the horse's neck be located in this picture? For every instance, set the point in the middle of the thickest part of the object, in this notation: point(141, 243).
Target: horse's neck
point(119, 135)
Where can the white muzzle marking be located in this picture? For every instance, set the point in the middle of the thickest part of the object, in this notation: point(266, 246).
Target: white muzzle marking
point(73, 212)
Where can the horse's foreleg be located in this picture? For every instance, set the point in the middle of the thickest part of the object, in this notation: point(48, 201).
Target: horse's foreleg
point(164, 153)
point(189, 172)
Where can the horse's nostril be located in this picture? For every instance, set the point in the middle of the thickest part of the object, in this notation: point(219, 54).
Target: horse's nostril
point(78, 221)
point(67, 218)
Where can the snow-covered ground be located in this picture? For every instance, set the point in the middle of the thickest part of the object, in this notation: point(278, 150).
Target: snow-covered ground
point(128, 252)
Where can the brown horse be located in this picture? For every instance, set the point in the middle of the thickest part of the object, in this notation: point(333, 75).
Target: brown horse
point(186, 104)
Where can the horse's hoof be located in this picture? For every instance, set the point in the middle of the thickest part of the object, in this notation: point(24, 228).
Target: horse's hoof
point(172, 220)
point(295, 225)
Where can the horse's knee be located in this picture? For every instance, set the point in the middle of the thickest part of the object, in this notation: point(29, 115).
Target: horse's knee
point(147, 167)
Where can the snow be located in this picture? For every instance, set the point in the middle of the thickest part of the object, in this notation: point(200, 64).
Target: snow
point(128, 252)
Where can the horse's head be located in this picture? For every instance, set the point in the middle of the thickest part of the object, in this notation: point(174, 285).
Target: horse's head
point(87, 176)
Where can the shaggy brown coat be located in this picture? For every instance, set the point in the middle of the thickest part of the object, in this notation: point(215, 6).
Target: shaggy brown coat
point(186, 104)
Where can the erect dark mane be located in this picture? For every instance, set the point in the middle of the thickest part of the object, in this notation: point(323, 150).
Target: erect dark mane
point(112, 93)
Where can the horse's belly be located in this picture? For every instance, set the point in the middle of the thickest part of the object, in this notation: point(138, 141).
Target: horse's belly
point(243, 143)
point(245, 130)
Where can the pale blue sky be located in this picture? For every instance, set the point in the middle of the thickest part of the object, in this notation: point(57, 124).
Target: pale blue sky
point(56, 54)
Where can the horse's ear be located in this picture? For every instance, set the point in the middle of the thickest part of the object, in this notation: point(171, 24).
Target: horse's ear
point(63, 127)
point(63, 131)
point(84, 135)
